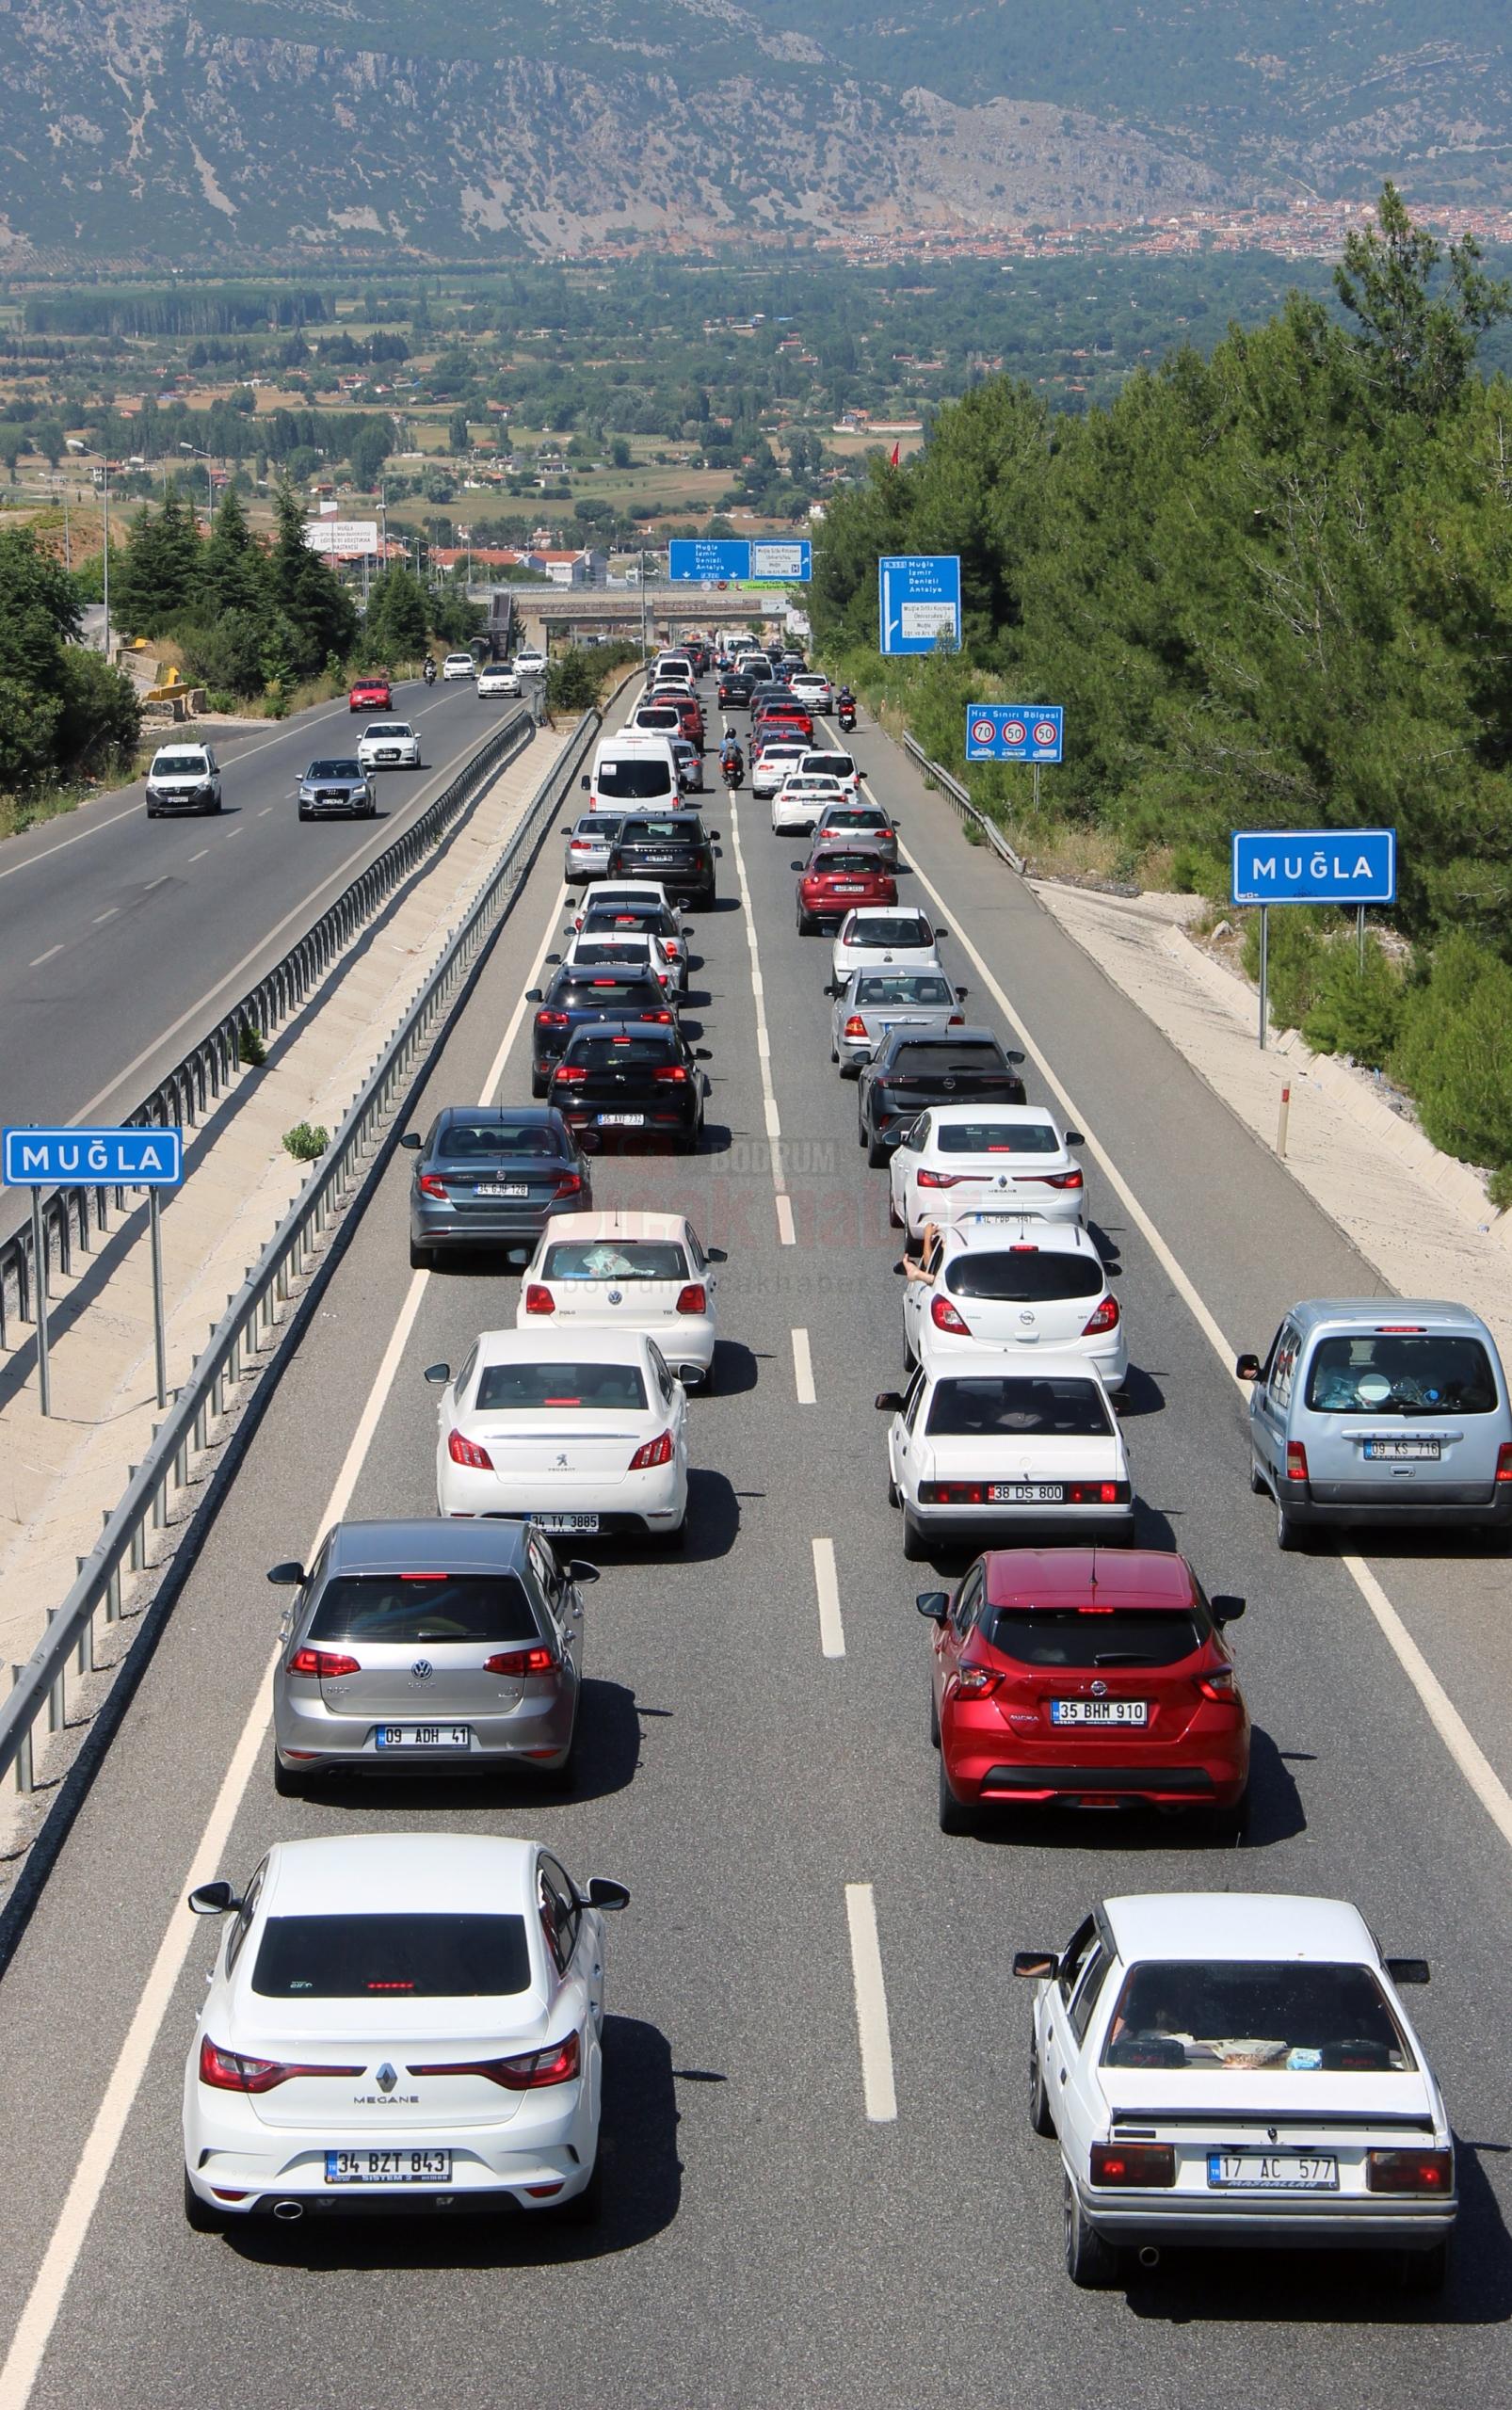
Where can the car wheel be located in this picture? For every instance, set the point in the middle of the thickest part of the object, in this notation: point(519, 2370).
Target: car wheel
point(895, 1218)
point(679, 1538)
point(288, 1784)
point(1040, 2120)
point(1425, 2271)
point(537, 1085)
point(303, 814)
point(199, 2215)
point(806, 923)
point(1288, 1530)
point(584, 2208)
point(934, 1718)
point(1090, 2261)
point(860, 1132)
point(422, 1259)
point(834, 1054)
point(214, 804)
point(1229, 1823)
point(877, 1154)
point(1258, 1483)
point(954, 1817)
point(911, 1354)
point(915, 1547)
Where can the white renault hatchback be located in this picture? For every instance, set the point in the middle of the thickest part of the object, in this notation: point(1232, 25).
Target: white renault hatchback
point(584, 1431)
point(628, 1271)
point(984, 1159)
point(394, 2018)
point(1027, 1285)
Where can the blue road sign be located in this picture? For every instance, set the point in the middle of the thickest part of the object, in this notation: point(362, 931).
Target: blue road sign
point(770, 560)
point(918, 600)
point(82, 1158)
point(1313, 866)
point(1015, 732)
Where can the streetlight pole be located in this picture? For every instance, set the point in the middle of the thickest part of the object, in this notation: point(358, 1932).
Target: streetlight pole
point(104, 497)
point(209, 480)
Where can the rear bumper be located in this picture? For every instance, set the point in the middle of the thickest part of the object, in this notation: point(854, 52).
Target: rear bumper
point(309, 1738)
point(461, 1232)
point(1483, 1505)
point(1009, 1526)
point(1315, 2221)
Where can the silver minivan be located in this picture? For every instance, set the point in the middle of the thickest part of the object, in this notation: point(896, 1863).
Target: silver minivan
point(1380, 1409)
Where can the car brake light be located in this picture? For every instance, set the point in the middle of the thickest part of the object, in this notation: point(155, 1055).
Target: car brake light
point(1297, 1460)
point(1142, 2164)
point(855, 1027)
point(232, 2071)
point(432, 1185)
point(945, 1317)
point(1053, 1179)
point(1103, 1317)
point(518, 1663)
point(940, 1178)
point(694, 1299)
point(321, 1665)
point(656, 1451)
point(1409, 2171)
point(569, 1184)
point(539, 1299)
point(550, 1020)
point(1097, 1493)
point(467, 1451)
point(1414, 1328)
point(1218, 1684)
point(570, 1073)
point(557, 2063)
point(977, 1682)
point(1504, 1461)
point(671, 1075)
point(956, 1021)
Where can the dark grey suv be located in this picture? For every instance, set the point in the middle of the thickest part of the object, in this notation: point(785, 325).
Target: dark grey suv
point(491, 1176)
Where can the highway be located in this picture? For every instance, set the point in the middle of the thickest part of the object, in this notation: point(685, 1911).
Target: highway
point(786, 2228)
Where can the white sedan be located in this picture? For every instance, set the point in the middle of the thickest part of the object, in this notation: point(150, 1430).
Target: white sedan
point(1237, 2068)
point(775, 764)
point(498, 678)
point(398, 2019)
point(628, 1271)
point(878, 936)
point(530, 662)
point(983, 1159)
point(997, 1447)
point(584, 1431)
point(458, 664)
point(389, 745)
point(1024, 1284)
point(801, 799)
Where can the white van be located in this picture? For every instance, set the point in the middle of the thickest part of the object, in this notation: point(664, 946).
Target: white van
point(632, 769)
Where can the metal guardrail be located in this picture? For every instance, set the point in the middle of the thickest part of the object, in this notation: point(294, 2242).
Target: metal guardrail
point(967, 810)
point(353, 1159)
point(74, 1218)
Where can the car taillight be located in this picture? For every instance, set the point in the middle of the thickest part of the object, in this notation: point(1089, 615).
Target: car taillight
point(1103, 1317)
point(550, 1020)
point(321, 1665)
point(539, 1299)
point(941, 1179)
point(671, 1075)
point(951, 1493)
point(956, 1021)
point(1504, 1461)
point(232, 2071)
point(557, 2063)
point(977, 1682)
point(945, 1317)
point(855, 1027)
point(1140, 2163)
point(1097, 1493)
point(1053, 1179)
point(432, 1185)
point(569, 1184)
point(1409, 2171)
point(656, 1451)
point(1218, 1684)
point(570, 1074)
point(519, 1663)
point(694, 1299)
point(1296, 1462)
point(467, 1451)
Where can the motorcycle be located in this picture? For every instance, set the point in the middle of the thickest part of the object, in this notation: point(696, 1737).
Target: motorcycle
point(847, 718)
point(733, 774)
point(428, 673)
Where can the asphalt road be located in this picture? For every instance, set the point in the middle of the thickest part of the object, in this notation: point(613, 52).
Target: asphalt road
point(767, 2244)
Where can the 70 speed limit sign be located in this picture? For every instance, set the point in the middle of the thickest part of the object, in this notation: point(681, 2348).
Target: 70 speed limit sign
point(1014, 732)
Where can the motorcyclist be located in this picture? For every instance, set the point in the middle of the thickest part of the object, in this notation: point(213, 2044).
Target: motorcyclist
point(429, 672)
point(732, 759)
point(845, 706)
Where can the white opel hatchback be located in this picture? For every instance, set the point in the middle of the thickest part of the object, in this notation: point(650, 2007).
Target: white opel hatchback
point(1028, 1285)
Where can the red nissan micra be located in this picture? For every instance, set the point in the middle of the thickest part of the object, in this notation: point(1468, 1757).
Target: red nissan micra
point(1091, 1676)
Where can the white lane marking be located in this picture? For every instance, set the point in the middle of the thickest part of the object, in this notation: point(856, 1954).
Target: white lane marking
point(101, 918)
point(803, 1369)
point(38, 959)
point(200, 855)
point(49, 2289)
point(764, 1048)
point(155, 882)
point(826, 1586)
point(507, 1044)
point(1443, 1714)
point(871, 2008)
point(236, 832)
point(264, 813)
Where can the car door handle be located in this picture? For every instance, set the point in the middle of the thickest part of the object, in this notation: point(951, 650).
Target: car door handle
point(1063, 2075)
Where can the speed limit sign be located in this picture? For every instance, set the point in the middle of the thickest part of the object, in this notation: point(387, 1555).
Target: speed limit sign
point(1046, 733)
point(984, 731)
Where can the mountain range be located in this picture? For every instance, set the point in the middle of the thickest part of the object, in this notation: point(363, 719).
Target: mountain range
point(199, 132)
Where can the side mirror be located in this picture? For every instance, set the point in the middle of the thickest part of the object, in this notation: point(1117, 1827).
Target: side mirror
point(829, 988)
point(961, 994)
point(797, 865)
point(533, 995)
point(933, 1604)
point(940, 933)
point(717, 1255)
point(1015, 1055)
point(1226, 1609)
point(1246, 1367)
point(888, 1402)
point(1039, 1965)
point(687, 932)
point(411, 1138)
point(557, 958)
point(900, 1265)
point(1409, 1971)
point(606, 1894)
point(213, 1900)
point(438, 1376)
point(1076, 1138)
point(580, 1571)
point(289, 1576)
point(703, 1054)
point(713, 836)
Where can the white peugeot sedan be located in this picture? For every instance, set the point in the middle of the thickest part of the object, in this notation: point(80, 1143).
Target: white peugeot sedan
point(802, 798)
point(882, 937)
point(458, 664)
point(389, 745)
point(1022, 1285)
point(981, 1158)
point(1237, 2068)
point(498, 678)
point(628, 1271)
point(582, 1430)
point(777, 762)
point(398, 2018)
point(996, 1447)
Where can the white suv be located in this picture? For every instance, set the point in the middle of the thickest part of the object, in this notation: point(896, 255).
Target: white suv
point(458, 664)
point(183, 778)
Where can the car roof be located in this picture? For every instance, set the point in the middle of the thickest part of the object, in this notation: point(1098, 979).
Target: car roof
point(1057, 1577)
point(627, 1223)
point(398, 1874)
point(1018, 1363)
point(544, 1116)
point(892, 912)
point(1242, 1925)
point(1019, 1117)
point(1386, 1314)
point(434, 1541)
point(943, 1037)
point(582, 1345)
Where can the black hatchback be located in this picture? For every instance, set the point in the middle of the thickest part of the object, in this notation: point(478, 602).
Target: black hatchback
point(916, 1067)
point(582, 993)
point(674, 848)
point(491, 1176)
point(626, 1079)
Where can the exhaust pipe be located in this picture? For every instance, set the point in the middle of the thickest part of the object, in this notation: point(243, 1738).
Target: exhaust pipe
point(1150, 2255)
point(290, 2211)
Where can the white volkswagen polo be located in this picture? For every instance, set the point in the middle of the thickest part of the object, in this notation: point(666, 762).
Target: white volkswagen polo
point(628, 1271)
point(983, 1159)
point(396, 2018)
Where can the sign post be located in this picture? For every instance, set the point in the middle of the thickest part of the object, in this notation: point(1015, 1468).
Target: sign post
point(146, 1158)
point(1348, 866)
point(918, 602)
point(1016, 732)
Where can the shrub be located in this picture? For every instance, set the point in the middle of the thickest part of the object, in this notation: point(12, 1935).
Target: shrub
point(1356, 1011)
point(573, 680)
point(1295, 961)
point(1454, 1055)
point(306, 1142)
point(251, 1049)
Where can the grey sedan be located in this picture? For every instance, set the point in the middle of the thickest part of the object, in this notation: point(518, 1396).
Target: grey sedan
point(859, 823)
point(431, 1647)
point(872, 1003)
point(336, 786)
point(491, 1176)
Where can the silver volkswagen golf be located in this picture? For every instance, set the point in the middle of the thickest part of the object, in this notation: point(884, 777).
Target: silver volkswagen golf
point(427, 1646)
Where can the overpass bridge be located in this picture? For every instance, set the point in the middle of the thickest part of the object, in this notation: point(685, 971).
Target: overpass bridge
point(569, 612)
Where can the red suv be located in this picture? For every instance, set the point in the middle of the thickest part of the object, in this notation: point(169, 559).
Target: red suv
point(1089, 1676)
point(371, 693)
point(836, 878)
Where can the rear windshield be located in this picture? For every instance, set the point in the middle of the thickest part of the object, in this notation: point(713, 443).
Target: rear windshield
point(1072, 1636)
point(482, 1141)
point(602, 987)
point(334, 770)
point(1028, 1275)
point(424, 1606)
point(420, 1957)
point(940, 1061)
point(870, 929)
point(602, 1051)
point(836, 857)
point(614, 1259)
point(655, 716)
point(507, 1389)
point(1371, 1372)
point(597, 950)
point(854, 815)
point(635, 777)
point(830, 766)
point(997, 1139)
point(903, 987)
point(629, 912)
point(661, 832)
point(1180, 2013)
point(597, 824)
point(1019, 1407)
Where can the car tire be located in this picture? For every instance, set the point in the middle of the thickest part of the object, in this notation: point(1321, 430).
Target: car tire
point(1090, 2261)
point(1040, 2120)
point(894, 1219)
point(286, 1783)
point(199, 2215)
point(422, 1259)
point(1260, 1487)
point(214, 804)
point(1229, 1823)
point(303, 814)
point(1425, 2271)
point(1288, 1531)
point(679, 1539)
point(934, 1718)
point(915, 1546)
point(954, 1818)
point(152, 812)
point(538, 1086)
point(586, 2208)
point(806, 923)
point(877, 1154)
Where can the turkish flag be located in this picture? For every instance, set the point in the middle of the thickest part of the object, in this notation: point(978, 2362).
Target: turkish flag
point(894, 461)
